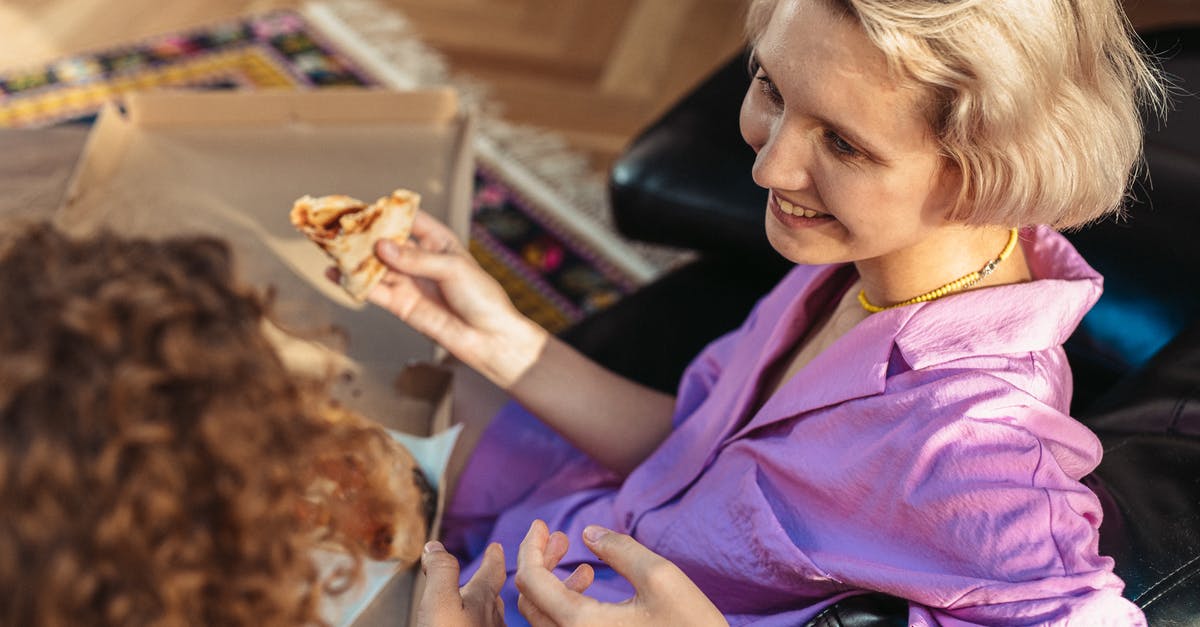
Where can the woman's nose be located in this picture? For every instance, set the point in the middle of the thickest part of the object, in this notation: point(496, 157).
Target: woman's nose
point(784, 160)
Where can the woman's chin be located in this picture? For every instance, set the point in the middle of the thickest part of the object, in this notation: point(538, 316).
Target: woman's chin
point(800, 250)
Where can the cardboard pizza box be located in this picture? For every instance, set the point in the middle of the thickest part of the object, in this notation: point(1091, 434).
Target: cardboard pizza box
point(229, 165)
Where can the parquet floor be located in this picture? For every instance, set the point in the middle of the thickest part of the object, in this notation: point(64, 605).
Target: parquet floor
point(596, 71)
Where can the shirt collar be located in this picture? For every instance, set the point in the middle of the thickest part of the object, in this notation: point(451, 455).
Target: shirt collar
point(1016, 318)
point(1008, 319)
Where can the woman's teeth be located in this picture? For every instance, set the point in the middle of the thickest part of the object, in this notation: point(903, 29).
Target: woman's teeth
point(793, 210)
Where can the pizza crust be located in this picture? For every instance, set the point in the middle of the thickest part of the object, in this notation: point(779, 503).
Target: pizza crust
point(347, 230)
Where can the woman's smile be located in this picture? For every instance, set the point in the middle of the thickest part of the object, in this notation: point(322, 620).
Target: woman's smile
point(795, 215)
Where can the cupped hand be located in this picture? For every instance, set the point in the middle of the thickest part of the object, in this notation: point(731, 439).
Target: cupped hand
point(477, 604)
point(663, 594)
point(441, 291)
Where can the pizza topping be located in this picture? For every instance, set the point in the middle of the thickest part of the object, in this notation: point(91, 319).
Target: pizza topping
point(347, 230)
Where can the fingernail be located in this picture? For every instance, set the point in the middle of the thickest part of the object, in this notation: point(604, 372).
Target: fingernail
point(434, 547)
point(593, 533)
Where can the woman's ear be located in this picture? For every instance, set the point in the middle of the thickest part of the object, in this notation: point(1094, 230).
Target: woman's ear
point(948, 195)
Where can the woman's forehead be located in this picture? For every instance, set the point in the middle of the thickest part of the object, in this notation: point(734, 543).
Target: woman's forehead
point(822, 58)
point(807, 36)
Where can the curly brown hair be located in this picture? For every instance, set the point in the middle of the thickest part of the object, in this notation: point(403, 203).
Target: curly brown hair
point(154, 450)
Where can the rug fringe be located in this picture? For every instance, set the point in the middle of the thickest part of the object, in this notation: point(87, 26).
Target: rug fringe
point(384, 42)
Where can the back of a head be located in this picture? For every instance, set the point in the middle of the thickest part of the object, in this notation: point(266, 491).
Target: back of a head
point(151, 443)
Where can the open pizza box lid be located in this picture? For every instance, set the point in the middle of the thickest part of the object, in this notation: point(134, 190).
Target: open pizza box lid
point(230, 165)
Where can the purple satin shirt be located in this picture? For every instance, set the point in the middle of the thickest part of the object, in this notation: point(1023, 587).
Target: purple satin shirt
point(926, 454)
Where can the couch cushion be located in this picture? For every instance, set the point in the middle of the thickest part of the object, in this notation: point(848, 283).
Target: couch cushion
point(1149, 481)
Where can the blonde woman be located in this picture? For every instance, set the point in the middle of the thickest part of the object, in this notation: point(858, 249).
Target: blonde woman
point(893, 416)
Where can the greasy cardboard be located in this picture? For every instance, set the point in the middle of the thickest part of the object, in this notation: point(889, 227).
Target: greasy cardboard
point(230, 164)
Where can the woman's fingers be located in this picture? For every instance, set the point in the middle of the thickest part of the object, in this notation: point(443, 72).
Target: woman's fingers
point(665, 595)
point(423, 310)
point(578, 581)
point(532, 614)
point(532, 552)
point(556, 548)
point(441, 578)
point(551, 547)
point(431, 234)
point(539, 585)
point(436, 265)
point(416, 301)
point(641, 566)
point(581, 578)
point(444, 603)
point(486, 583)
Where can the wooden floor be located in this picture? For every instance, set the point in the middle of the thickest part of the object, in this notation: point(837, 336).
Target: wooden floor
point(596, 71)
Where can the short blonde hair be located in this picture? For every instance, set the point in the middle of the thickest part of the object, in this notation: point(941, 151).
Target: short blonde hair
point(1036, 102)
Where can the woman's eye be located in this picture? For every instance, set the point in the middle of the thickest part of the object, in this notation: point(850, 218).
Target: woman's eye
point(839, 145)
point(768, 88)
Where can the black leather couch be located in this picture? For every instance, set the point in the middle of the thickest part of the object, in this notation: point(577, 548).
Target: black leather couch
point(685, 181)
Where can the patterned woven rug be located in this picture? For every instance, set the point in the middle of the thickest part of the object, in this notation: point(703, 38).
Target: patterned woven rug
point(531, 226)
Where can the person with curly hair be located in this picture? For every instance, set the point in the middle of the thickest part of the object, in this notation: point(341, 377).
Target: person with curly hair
point(156, 455)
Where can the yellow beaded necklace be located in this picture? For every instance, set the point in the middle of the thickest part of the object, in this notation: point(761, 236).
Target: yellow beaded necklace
point(953, 286)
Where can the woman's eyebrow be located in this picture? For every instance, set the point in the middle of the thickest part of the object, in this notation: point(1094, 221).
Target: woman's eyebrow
point(754, 61)
point(853, 137)
point(842, 129)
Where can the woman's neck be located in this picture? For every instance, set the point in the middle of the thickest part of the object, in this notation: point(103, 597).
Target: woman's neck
point(946, 255)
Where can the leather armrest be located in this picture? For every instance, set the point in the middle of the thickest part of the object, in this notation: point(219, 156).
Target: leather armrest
point(1148, 258)
point(651, 335)
point(864, 610)
point(686, 182)
point(1149, 481)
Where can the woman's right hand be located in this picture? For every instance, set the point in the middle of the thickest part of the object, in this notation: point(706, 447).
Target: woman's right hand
point(664, 595)
point(438, 288)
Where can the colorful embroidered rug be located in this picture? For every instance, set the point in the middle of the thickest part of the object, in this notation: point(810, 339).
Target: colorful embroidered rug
point(554, 273)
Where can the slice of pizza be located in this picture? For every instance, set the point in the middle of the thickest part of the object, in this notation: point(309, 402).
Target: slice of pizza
point(347, 229)
point(371, 491)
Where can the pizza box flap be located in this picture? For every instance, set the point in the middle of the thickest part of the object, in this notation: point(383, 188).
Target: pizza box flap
point(230, 165)
point(189, 108)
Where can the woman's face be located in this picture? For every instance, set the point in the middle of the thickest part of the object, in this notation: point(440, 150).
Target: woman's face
point(851, 165)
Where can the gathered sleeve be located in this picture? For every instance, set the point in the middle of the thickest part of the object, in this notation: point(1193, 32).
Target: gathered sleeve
point(964, 498)
point(703, 371)
point(954, 490)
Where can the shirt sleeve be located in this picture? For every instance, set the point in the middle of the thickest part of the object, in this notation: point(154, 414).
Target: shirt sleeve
point(962, 496)
point(703, 371)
